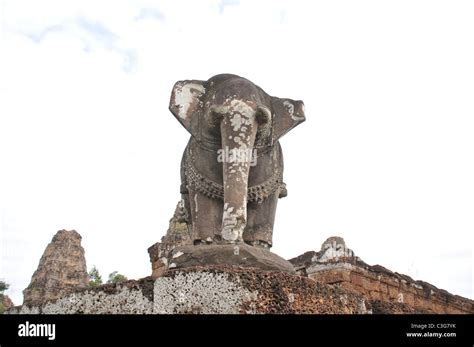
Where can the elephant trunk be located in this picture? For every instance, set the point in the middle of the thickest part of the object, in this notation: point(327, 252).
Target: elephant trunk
point(238, 130)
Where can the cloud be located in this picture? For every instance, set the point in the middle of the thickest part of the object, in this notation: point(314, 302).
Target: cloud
point(226, 3)
point(39, 36)
point(130, 60)
point(283, 17)
point(150, 13)
point(91, 34)
point(99, 32)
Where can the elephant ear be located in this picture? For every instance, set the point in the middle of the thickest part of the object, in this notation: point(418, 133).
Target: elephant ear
point(186, 101)
point(287, 114)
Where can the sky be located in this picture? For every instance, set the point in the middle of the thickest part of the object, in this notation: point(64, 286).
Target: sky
point(385, 158)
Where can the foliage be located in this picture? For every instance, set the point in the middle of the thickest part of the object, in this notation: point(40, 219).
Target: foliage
point(115, 277)
point(3, 286)
point(95, 279)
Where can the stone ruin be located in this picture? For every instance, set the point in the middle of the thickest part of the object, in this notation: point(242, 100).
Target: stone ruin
point(6, 302)
point(387, 291)
point(62, 269)
point(215, 256)
point(331, 280)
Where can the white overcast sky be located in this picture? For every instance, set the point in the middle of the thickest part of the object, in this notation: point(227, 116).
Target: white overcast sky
point(385, 158)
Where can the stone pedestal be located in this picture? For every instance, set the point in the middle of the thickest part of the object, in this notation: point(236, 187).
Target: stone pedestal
point(234, 255)
point(241, 255)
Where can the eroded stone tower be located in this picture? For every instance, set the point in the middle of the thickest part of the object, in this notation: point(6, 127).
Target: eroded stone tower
point(61, 270)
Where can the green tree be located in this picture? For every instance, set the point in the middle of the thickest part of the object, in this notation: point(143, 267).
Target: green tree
point(95, 279)
point(3, 286)
point(115, 277)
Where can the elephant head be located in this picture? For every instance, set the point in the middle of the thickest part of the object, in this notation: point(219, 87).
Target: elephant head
point(230, 112)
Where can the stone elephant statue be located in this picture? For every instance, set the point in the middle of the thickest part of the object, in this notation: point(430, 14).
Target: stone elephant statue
point(232, 167)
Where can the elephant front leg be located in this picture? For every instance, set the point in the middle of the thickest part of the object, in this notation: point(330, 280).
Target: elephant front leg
point(206, 215)
point(261, 218)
